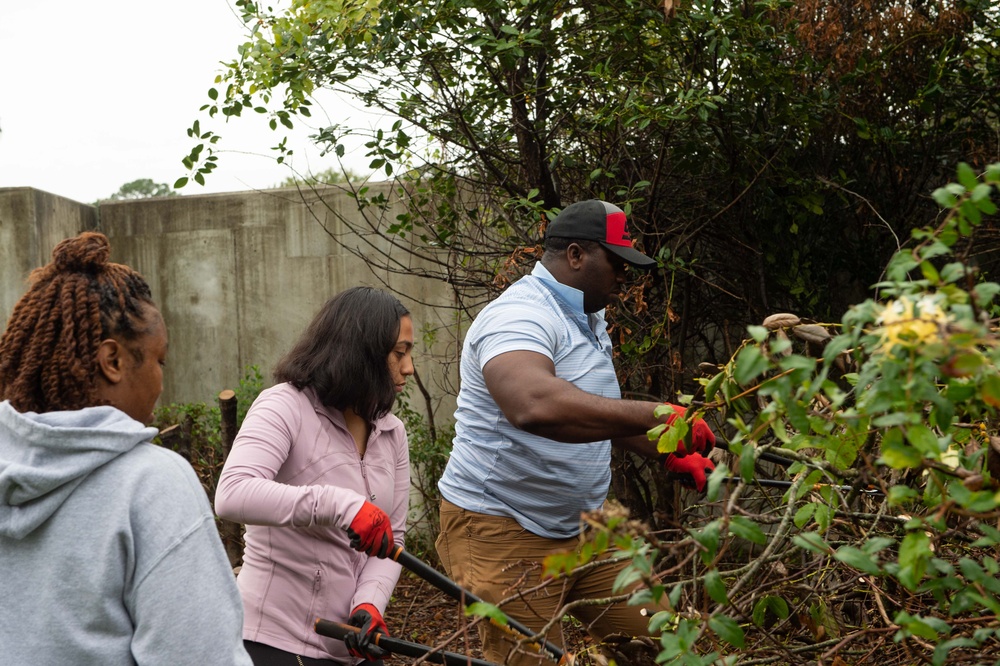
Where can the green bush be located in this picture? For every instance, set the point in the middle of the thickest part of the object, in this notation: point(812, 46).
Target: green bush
point(430, 446)
point(194, 430)
point(885, 542)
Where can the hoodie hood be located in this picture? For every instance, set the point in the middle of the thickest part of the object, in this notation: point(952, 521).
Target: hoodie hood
point(44, 457)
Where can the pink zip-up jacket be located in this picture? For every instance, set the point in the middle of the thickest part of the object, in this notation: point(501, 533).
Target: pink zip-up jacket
point(295, 478)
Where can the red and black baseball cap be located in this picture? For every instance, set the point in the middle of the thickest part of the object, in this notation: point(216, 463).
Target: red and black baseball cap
point(599, 221)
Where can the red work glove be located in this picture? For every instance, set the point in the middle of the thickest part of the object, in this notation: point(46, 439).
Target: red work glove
point(362, 644)
point(695, 465)
point(702, 437)
point(371, 531)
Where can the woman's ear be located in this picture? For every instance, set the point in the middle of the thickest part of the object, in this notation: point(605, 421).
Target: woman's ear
point(110, 360)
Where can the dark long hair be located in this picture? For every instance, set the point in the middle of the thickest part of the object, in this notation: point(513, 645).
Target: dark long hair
point(48, 353)
point(343, 354)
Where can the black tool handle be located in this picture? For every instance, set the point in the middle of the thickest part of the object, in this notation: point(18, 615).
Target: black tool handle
point(340, 631)
point(458, 593)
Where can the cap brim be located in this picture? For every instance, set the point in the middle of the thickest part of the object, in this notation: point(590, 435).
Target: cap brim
point(630, 255)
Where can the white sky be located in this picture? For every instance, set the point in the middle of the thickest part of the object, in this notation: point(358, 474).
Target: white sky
point(94, 95)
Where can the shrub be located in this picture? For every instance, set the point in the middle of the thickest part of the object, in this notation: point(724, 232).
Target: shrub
point(884, 541)
point(195, 429)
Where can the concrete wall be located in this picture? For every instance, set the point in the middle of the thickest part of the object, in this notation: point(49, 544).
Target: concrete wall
point(32, 222)
point(237, 276)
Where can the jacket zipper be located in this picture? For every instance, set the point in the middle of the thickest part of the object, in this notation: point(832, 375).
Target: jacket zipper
point(364, 475)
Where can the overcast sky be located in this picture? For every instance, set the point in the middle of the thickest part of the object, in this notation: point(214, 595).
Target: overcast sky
point(97, 94)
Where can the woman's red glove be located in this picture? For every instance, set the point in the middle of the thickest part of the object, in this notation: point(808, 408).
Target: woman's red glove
point(702, 437)
point(693, 465)
point(362, 644)
point(371, 531)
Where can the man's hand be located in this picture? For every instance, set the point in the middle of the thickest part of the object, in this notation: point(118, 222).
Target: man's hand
point(693, 465)
point(702, 437)
point(371, 531)
point(362, 644)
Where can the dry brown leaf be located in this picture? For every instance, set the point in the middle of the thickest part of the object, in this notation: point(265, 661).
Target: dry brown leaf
point(811, 333)
point(781, 320)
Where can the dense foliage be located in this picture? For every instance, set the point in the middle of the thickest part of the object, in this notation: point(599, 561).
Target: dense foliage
point(772, 154)
point(775, 157)
point(885, 543)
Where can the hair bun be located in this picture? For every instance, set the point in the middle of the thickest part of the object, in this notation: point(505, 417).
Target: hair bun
point(86, 253)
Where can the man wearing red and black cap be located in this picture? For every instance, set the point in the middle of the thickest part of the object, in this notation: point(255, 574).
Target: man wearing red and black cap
point(539, 409)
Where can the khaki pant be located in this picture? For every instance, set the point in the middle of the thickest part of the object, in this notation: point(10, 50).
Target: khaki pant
point(494, 558)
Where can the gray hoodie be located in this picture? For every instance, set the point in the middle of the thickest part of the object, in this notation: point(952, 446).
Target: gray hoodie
point(108, 548)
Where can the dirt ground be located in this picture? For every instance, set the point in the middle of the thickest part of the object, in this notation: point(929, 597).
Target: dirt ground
point(420, 613)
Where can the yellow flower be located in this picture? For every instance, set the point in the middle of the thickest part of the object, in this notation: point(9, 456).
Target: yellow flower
point(908, 323)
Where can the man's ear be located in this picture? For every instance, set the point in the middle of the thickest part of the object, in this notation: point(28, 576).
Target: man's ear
point(110, 360)
point(574, 255)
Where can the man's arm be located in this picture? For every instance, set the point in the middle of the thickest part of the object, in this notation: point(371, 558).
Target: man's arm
point(639, 444)
point(527, 391)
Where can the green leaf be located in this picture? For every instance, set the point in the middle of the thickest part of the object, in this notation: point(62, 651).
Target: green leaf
point(929, 272)
point(857, 559)
point(966, 176)
point(626, 577)
point(747, 461)
point(750, 363)
point(900, 456)
point(660, 621)
point(812, 541)
point(776, 605)
point(758, 333)
point(708, 536)
point(803, 515)
point(942, 649)
point(712, 387)
point(923, 439)
point(747, 529)
point(483, 609)
point(675, 595)
point(715, 587)
point(944, 198)
point(727, 629)
point(985, 292)
point(991, 390)
point(914, 552)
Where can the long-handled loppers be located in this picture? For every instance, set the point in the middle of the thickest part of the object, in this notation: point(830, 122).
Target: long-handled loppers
point(340, 631)
point(463, 596)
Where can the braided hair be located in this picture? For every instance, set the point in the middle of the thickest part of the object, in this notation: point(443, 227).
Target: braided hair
point(48, 352)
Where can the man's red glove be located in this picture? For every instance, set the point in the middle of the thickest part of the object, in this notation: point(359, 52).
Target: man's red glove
point(702, 437)
point(362, 644)
point(371, 531)
point(693, 465)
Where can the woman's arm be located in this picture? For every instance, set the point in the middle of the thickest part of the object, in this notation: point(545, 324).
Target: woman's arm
point(247, 491)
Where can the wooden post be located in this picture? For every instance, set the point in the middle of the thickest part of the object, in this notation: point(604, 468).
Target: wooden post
point(227, 406)
point(231, 533)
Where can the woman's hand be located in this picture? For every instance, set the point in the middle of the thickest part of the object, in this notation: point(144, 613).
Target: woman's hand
point(362, 644)
point(371, 531)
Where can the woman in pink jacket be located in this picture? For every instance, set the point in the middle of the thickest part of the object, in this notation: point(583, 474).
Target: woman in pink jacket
point(320, 475)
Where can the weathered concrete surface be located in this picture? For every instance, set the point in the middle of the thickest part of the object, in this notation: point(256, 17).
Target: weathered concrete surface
point(32, 222)
point(237, 276)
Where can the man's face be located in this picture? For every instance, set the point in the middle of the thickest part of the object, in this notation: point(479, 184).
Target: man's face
point(603, 275)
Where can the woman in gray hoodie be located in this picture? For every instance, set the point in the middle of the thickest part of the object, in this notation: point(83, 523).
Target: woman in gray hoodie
point(108, 545)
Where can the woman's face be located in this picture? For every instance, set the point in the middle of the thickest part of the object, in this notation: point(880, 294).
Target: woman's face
point(401, 357)
point(130, 385)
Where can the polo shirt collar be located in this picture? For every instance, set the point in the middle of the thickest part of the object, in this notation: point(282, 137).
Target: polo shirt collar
point(571, 295)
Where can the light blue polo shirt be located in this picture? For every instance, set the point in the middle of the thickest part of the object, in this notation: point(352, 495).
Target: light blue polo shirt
point(499, 470)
